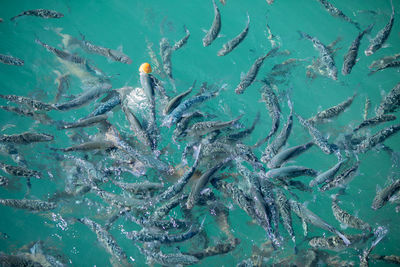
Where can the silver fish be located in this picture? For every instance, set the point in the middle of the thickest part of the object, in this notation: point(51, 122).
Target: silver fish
point(213, 32)
point(166, 53)
point(284, 211)
point(182, 41)
point(19, 171)
point(163, 237)
point(243, 134)
point(274, 110)
point(391, 101)
point(29, 204)
point(218, 249)
point(174, 102)
point(327, 175)
point(377, 138)
point(85, 122)
point(380, 234)
point(290, 172)
point(275, 146)
point(63, 54)
point(325, 55)
point(137, 188)
point(32, 103)
point(394, 64)
point(43, 13)
point(107, 240)
point(83, 99)
point(385, 194)
point(331, 112)
point(250, 76)
point(169, 259)
point(317, 136)
point(367, 105)
point(136, 126)
point(202, 128)
point(350, 58)
point(375, 121)
point(312, 218)
point(10, 60)
point(63, 83)
point(232, 44)
point(336, 243)
point(335, 12)
point(383, 61)
point(342, 179)
point(107, 52)
point(18, 260)
point(26, 138)
point(377, 42)
point(87, 146)
point(387, 258)
point(346, 218)
point(279, 159)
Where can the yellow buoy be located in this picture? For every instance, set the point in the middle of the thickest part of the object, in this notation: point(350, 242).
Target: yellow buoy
point(145, 67)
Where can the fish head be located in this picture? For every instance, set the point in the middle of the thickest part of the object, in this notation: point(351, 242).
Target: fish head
point(369, 51)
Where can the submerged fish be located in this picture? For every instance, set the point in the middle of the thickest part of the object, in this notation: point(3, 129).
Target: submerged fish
point(250, 76)
point(394, 64)
point(232, 44)
point(366, 108)
point(350, 58)
point(10, 60)
point(348, 219)
point(377, 42)
point(213, 32)
point(85, 122)
point(334, 11)
point(19, 171)
point(43, 13)
point(202, 128)
point(391, 101)
point(169, 259)
point(325, 55)
point(342, 179)
point(26, 138)
point(63, 54)
point(63, 83)
point(385, 194)
point(375, 121)
point(174, 102)
point(290, 172)
point(327, 175)
point(287, 154)
point(331, 112)
point(29, 204)
point(377, 138)
point(32, 103)
point(336, 243)
point(384, 61)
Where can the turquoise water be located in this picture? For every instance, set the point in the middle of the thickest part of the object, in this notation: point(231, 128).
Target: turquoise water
point(131, 25)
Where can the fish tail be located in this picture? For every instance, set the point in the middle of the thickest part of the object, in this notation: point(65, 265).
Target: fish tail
point(343, 237)
point(302, 35)
point(15, 17)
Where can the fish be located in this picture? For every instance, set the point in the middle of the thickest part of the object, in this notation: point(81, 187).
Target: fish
point(63, 83)
point(29, 204)
point(279, 159)
point(199, 185)
point(232, 44)
point(85, 122)
point(118, 200)
point(32, 103)
point(18, 260)
point(284, 211)
point(213, 32)
point(327, 175)
point(366, 108)
point(182, 41)
point(19, 171)
point(391, 101)
point(3, 181)
point(218, 249)
point(178, 186)
point(137, 188)
point(325, 55)
point(163, 238)
point(394, 64)
point(174, 102)
point(250, 76)
point(275, 146)
point(183, 124)
point(166, 53)
point(106, 239)
point(183, 107)
point(26, 138)
point(342, 179)
point(63, 54)
point(137, 128)
point(375, 121)
point(41, 117)
point(243, 134)
point(169, 259)
point(377, 42)
point(317, 136)
point(350, 59)
point(106, 52)
point(312, 218)
point(290, 172)
point(346, 218)
point(383, 61)
point(163, 210)
point(87, 146)
point(335, 12)
point(377, 138)
point(380, 233)
point(202, 128)
point(385, 194)
point(387, 258)
point(43, 13)
point(336, 243)
point(274, 110)
point(95, 92)
point(11, 60)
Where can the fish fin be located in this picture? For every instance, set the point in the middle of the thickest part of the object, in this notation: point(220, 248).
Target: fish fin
point(221, 35)
point(204, 30)
point(386, 45)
